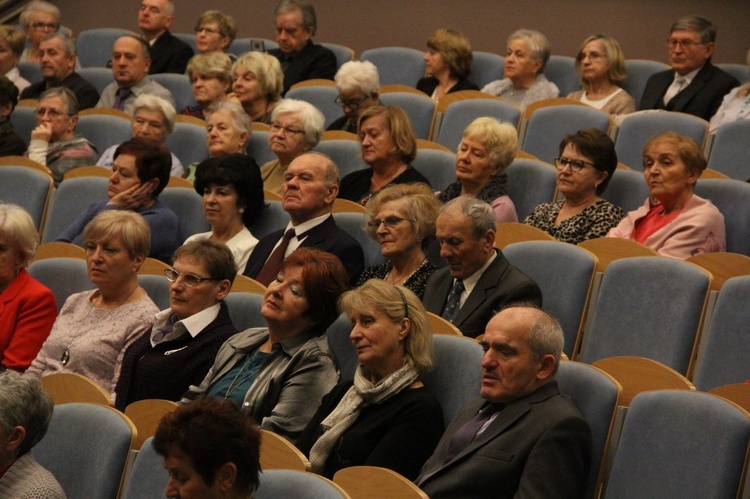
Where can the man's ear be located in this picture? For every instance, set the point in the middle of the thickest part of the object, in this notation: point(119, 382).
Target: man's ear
point(546, 367)
point(226, 475)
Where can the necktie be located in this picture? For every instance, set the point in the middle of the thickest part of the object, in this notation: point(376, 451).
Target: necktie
point(122, 95)
point(271, 267)
point(465, 435)
point(158, 337)
point(675, 88)
point(453, 304)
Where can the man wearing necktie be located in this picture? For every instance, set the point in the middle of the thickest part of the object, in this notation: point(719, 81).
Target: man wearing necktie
point(693, 85)
point(521, 438)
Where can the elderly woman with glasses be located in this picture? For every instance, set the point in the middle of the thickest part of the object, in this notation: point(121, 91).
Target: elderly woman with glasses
point(38, 19)
point(358, 84)
point(448, 64)
point(181, 346)
point(585, 166)
point(211, 77)
point(257, 85)
point(214, 32)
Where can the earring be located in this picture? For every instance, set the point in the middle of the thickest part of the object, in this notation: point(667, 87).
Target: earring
point(242, 210)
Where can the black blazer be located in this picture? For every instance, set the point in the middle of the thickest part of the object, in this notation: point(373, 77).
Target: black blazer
point(500, 285)
point(428, 84)
point(313, 61)
point(169, 54)
point(326, 237)
point(701, 98)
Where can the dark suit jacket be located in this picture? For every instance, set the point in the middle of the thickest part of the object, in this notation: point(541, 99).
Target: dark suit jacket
point(85, 92)
point(169, 54)
point(538, 446)
point(500, 285)
point(313, 61)
point(701, 98)
point(428, 84)
point(326, 237)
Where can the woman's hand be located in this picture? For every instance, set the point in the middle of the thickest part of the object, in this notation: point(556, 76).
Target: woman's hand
point(134, 197)
point(43, 131)
point(232, 97)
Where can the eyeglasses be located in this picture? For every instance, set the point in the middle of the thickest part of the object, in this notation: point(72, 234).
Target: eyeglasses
point(52, 113)
point(685, 44)
point(593, 56)
point(209, 31)
point(351, 104)
point(191, 280)
point(277, 127)
point(575, 164)
point(389, 222)
point(39, 26)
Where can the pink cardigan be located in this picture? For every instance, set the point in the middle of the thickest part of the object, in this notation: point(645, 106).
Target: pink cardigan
point(699, 228)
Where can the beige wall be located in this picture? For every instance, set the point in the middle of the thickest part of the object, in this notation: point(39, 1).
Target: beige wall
point(641, 26)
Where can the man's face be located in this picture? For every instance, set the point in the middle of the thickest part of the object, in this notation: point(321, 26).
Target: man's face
point(53, 61)
point(129, 65)
point(149, 124)
point(509, 371)
point(291, 35)
point(464, 252)
point(153, 17)
point(686, 52)
point(305, 194)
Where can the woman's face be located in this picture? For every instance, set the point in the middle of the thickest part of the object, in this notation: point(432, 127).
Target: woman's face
point(223, 137)
point(40, 24)
point(109, 263)
point(11, 260)
point(435, 64)
point(246, 86)
point(666, 175)
point(473, 166)
point(378, 340)
point(221, 205)
point(208, 38)
point(186, 483)
point(285, 301)
point(124, 175)
point(594, 62)
point(8, 59)
point(377, 141)
point(287, 136)
point(578, 184)
point(208, 89)
point(396, 233)
point(520, 65)
point(185, 300)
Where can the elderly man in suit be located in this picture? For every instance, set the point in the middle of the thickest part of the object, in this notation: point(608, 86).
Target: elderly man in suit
point(693, 85)
point(521, 438)
point(478, 281)
point(311, 183)
point(169, 54)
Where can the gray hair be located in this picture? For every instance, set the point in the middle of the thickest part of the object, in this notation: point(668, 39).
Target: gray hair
point(240, 120)
point(311, 119)
point(142, 43)
point(358, 75)
point(23, 402)
point(267, 69)
point(331, 175)
point(170, 8)
point(309, 19)
point(705, 29)
point(538, 43)
point(67, 95)
point(157, 104)
point(38, 5)
point(477, 211)
point(18, 226)
point(68, 43)
point(545, 336)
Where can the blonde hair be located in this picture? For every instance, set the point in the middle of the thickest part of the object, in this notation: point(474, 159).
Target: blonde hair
point(267, 69)
point(455, 50)
point(399, 125)
point(616, 72)
point(213, 64)
point(421, 209)
point(17, 225)
point(132, 229)
point(500, 140)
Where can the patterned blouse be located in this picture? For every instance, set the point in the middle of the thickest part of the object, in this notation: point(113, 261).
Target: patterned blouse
point(416, 282)
point(595, 221)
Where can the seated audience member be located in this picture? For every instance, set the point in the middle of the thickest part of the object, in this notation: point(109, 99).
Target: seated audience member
point(12, 43)
point(25, 413)
point(388, 147)
point(169, 54)
point(310, 186)
point(232, 194)
point(130, 62)
point(736, 105)
point(183, 342)
point(153, 119)
point(673, 220)
point(11, 144)
point(54, 142)
point(601, 66)
point(211, 77)
point(521, 438)
point(279, 373)
point(693, 85)
point(300, 58)
point(27, 308)
point(385, 417)
point(479, 280)
point(402, 220)
point(214, 32)
point(358, 84)
point(257, 85)
point(38, 19)
point(229, 129)
point(448, 60)
point(524, 81)
point(57, 62)
point(585, 166)
point(487, 148)
point(139, 173)
point(296, 127)
point(95, 327)
point(210, 449)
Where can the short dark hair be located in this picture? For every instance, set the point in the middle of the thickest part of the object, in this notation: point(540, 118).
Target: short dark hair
point(597, 146)
point(241, 172)
point(152, 160)
point(213, 432)
point(217, 258)
point(8, 93)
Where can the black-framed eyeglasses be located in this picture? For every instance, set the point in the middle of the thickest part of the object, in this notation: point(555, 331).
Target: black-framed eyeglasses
point(191, 280)
point(685, 44)
point(50, 26)
point(575, 164)
point(209, 31)
point(389, 222)
point(351, 104)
